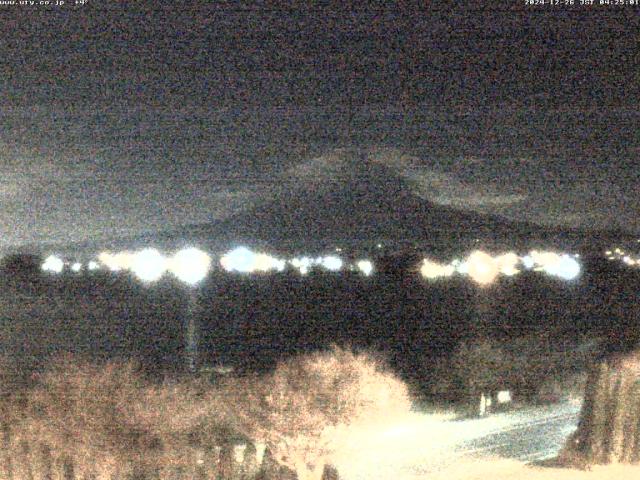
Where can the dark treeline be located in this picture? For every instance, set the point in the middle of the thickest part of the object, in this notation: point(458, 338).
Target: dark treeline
point(253, 321)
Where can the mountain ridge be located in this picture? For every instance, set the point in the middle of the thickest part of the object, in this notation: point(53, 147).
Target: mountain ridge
point(346, 198)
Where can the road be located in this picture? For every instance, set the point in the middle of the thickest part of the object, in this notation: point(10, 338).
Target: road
point(425, 444)
point(529, 435)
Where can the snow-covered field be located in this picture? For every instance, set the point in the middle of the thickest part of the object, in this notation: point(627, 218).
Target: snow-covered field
point(423, 445)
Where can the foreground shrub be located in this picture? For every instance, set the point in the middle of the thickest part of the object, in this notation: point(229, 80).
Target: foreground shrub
point(110, 420)
point(82, 413)
point(301, 410)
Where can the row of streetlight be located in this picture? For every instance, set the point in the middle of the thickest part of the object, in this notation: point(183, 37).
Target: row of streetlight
point(484, 268)
point(191, 265)
point(626, 257)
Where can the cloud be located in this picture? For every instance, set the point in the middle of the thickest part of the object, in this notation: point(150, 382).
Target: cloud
point(9, 190)
point(477, 200)
point(444, 188)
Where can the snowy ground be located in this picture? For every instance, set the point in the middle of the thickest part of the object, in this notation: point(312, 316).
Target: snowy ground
point(423, 445)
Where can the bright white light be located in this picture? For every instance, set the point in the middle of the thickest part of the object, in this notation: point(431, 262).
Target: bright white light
point(239, 259)
point(567, 268)
point(627, 259)
point(244, 260)
point(563, 266)
point(76, 267)
point(117, 262)
point(92, 265)
point(53, 264)
point(365, 266)
point(263, 263)
point(302, 264)
point(608, 252)
point(507, 262)
point(528, 262)
point(504, 396)
point(379, 245)
point(332, 263)
point(462, 267)
point(191, 265)
point(482, 267)
point(546, 261)
point(148, 265)
point(107, 259)
point(432, 270)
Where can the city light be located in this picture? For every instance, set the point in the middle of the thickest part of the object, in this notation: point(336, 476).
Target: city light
point(528, 262)
point(563, 266)
point(116, 262)
point(53, 264)
point(239, 259)
point(507, 263)
point(545, 261)
point(482, 268)
point(568, 268)
point(365, 266)
point(627, 258)
point(243, 260)
point(265, 263)
point(303, 264)
point(148, 265)
point(432, 270)
point(331, 263)
point(460, 266)
point(190, 265)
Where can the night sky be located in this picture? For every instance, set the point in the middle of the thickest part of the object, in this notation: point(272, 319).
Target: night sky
point(117, 121)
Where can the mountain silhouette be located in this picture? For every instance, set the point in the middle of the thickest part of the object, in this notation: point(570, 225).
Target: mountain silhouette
point(345, 198)
point(356, 201)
